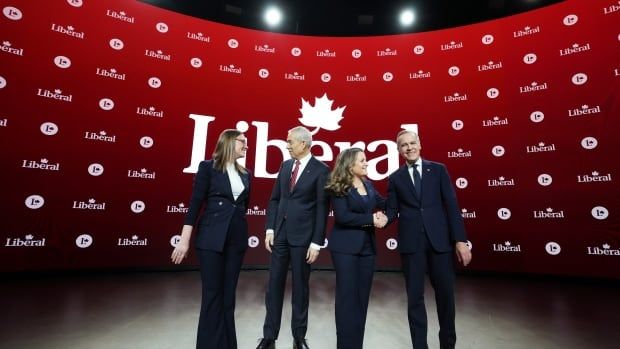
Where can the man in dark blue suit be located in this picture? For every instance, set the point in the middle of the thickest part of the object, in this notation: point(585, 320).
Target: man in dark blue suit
point(430, 227)
point(296, 218)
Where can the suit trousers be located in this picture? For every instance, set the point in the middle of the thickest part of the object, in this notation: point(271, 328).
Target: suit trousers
point(283, 254)
point(219, 272)
point(440, 268)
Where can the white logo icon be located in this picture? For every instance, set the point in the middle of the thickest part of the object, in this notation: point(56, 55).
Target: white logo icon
point(418, 50)
point(49, 128)
point(296, 51)
point(232, 43)
point(492, 93)
point(117, 44)
point(503, 213)
point(2, 82)
point(553, 248)
point(195, 62)
point(498, 151)
point(146, 142)
point(454, 70)
point(253, 241)
point(570, 20)
point(12, 13)
point(174, 240)
point(537, 116)
point(589, 143)
point(391, 244)
point(161, 27)
point(34, 201)
point(106, 104)
point(530, 58)
point(95, 169)
point(545, 179)
point(357, 53)
point(263, 73)
point(138, 206)
point(579, 79)
point(62, 62)
point(75, 3)
point(387, 76)
point(325, 77)
point(84, 241)
point(321, 115)
point(600, 212)
point(154, 82)
point(457, 125)
point(488, 39)
point(461, 183)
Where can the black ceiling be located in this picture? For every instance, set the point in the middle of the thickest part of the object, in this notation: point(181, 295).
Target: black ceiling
point(351, 18)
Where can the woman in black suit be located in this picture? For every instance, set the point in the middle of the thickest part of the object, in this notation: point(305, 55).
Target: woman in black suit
point(352, 243)
point(222, 186)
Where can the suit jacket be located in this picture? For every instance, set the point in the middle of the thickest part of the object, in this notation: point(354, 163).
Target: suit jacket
point(354, 219)
point(213, 191)
point(436, 212)
point(304, 208)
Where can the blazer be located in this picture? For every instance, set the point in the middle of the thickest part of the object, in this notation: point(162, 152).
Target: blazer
point(353, 219)
point(436, 213)
point(212, 190)
point(304, 208)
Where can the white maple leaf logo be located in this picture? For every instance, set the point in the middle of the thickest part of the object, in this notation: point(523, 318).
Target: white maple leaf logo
point(143, 170)
point(44, 161)
point(255, 207)
point(70, 27)
point(507, 243)
point(6, 43)
point(181, 205)
point(549, 209)
point(606, 246)
point(29, 237)
point(134, 237)
point(595, 173)
point(91, 201)
point(464, 210)
point(321, 115)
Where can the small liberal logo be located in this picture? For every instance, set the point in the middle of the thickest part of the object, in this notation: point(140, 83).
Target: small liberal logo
point(95, 169)
point(138, 206)
point(356, 53)
point(600, 212)
point(387, 76)
point(195, 62)
point(154, 82)
point(530, 58)
point(13, 13)
point(146, 142)
point(263, 73)
point(34, 201)
point(106, 104)
point(75, 3)
point(553, 248)
point(62, 62)
point(117, 44)
point(161, 27)
point(498, 151)
point(49, 128)
point(537, 116)
point(418, 49)
point(84, 241)
point(545, 179)
point(458, 125)
point(174, 240)
point(391, 244)
point(325, 77)
point(461, 183)
point(493, 93)
point(2, 82)
point(579, 79)
point(570, 20)
point(504, 213)
point(454, 70)
point(253, 241)
point(488, 39)
point(296, 51)
point(589, 143)
point(233, 43)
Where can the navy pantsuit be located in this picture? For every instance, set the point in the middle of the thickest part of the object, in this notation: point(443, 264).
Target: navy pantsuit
point(428, 228)
point(221, 242)
point(353, 249)
point(298, 217)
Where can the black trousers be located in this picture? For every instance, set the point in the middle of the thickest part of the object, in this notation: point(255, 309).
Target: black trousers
point(219, 272)
point(283, 254)
point(440, 268)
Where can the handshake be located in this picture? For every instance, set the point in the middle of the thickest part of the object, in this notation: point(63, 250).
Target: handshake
point(379, 219)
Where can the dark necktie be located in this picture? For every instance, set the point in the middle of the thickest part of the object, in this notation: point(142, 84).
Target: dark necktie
point(294, 175)
point(417, 181)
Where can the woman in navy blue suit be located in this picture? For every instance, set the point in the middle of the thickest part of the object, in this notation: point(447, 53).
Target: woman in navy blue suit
point(357, 210)
point(222, 187)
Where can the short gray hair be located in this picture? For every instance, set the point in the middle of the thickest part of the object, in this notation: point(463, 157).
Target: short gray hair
point(301, 134)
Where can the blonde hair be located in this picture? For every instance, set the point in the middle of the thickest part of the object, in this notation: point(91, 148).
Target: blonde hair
point(224, 153)
point(341, 178)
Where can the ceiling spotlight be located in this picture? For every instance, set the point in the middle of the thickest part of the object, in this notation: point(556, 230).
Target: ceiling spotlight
point(407, 17)
point(273, 16)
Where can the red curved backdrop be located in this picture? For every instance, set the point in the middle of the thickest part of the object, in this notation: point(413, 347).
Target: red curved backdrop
point(107, 107)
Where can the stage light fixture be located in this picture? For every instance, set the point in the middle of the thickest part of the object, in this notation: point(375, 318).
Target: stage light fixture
point(273, 16)
point(407, 17)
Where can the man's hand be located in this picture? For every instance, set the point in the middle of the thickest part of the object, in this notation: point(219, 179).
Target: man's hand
point(379, 219)
point(311, 255)
point(463, 253)
point(268, 242)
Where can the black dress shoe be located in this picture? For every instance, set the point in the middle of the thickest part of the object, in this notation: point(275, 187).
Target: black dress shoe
point(266, 343)
point(300, 344)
